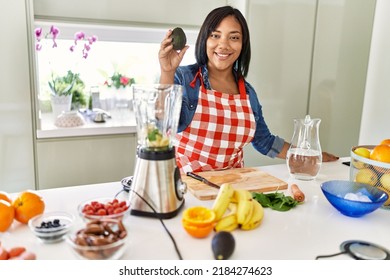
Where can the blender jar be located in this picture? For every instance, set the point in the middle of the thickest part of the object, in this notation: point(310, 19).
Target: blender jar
point(157, 111)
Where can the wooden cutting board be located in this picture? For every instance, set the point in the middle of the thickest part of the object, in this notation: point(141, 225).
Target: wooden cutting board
point(251, 178)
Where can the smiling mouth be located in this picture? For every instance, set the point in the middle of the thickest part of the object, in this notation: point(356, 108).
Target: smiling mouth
point(222, 54)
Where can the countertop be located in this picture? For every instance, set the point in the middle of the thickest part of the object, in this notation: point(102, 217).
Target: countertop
point(312, 228)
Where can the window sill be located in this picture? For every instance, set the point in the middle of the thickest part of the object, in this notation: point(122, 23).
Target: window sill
point(90, 128)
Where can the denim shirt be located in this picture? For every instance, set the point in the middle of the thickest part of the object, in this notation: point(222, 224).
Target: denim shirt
point(263, 141)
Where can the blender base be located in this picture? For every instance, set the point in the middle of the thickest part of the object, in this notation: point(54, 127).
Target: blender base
point(168, 215)
point(156, 189)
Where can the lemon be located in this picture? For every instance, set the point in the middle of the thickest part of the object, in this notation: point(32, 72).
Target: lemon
point(366, 176)
point(385, 186)
point(363, 152)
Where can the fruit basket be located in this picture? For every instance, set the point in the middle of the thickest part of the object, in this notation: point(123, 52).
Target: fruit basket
point(372, 172)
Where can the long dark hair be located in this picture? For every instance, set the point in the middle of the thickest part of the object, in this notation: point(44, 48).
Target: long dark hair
point(209, 25)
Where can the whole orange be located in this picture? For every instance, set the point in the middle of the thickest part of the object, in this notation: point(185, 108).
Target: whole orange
point(7, 214)
point(381, 153)
point(5, 196)
point(385, 142)
point(28, 205)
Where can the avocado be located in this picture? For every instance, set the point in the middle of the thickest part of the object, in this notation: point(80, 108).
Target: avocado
point(223, 245)
point(179, 38)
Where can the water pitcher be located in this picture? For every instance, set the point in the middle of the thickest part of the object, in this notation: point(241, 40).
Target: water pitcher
point(304, 157)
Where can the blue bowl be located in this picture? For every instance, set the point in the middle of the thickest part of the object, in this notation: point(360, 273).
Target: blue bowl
point(350, 198)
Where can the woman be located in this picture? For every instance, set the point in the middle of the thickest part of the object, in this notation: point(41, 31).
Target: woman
point(220, 111)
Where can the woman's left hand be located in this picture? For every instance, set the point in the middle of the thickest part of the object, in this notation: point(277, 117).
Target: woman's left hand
point(328, 157)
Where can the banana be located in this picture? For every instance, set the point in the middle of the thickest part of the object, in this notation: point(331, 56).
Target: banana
point(227, 223)
point(256, 218)
point(244, 205)
point(232, 208)
point(222, 200)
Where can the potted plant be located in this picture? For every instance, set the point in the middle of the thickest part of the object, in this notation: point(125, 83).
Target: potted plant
point(67, 92)
point(116, 91)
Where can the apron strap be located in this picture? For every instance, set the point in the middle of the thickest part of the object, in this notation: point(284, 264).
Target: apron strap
point(241, 84)
point(197, 75)
point(241, 88)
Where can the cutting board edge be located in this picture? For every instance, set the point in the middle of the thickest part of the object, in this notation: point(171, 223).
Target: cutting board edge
point(204, 196)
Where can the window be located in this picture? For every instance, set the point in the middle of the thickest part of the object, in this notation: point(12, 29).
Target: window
point(131, 51)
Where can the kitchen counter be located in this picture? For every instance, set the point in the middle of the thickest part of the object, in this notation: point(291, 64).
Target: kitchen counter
point(311, 229)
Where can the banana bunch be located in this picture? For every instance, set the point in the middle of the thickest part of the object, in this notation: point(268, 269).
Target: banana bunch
point(235, 208)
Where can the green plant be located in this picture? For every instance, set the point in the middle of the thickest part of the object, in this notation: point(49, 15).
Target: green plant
point(118, 80)
point(69, 84)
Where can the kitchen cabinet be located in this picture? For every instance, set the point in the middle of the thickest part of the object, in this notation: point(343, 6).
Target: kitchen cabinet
point(16, 127)
point(85, 160)
point(310, 57)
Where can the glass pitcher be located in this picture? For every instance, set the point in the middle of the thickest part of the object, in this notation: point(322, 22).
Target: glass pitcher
point(304, 157)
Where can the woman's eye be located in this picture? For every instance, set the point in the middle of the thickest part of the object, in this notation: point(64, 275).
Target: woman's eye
point(235, 38)
point(215, 36)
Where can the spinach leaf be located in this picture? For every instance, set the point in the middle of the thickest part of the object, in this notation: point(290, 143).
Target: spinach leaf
point(276, 200)
point(152, 135)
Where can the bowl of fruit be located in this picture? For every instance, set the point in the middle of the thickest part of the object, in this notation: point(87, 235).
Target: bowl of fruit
point(103, 239)
point(51, 227)
point(370, 164)
point(104, 207)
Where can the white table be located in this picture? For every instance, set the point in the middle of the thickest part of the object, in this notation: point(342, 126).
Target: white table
point(311, 229)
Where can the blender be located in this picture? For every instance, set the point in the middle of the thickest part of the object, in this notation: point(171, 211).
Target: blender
point(156, 188)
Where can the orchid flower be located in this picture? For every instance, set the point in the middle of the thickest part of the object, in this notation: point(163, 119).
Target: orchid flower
point(53, 34)
point(54, 31)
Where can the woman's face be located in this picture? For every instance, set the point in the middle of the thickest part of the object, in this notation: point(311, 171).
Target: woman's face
point(224, 44)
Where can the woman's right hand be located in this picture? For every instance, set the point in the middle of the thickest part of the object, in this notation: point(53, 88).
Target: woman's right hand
point(168, 57)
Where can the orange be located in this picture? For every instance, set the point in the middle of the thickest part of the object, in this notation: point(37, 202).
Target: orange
point(5, 196)
point(199, 215)
point(198, 231)
point(198, 221)
point(385, 142)
point(28, 205)
point(381, 153)
point(7, 214)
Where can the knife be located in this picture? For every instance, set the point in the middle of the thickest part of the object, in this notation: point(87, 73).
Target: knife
point(202, 179)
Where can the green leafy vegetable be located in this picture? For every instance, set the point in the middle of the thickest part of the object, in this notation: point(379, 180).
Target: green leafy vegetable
point(152, 135)
point(276, 201)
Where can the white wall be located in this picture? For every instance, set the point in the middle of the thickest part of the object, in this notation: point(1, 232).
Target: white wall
point(375, 124)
